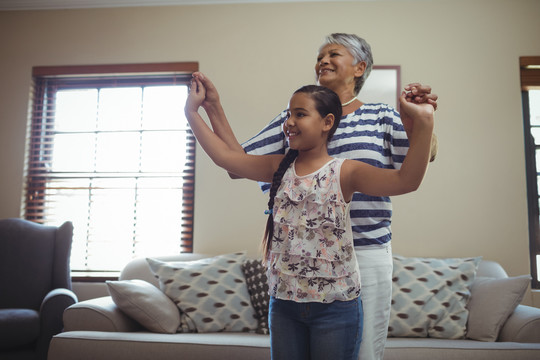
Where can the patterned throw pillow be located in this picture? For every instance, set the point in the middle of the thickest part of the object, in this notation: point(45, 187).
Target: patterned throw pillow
point(211, 293)
point(257, 283)
point(429, 297)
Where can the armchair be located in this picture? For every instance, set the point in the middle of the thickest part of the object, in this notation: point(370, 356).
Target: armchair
point(35, 286)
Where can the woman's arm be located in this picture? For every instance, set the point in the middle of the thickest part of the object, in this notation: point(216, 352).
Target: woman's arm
point(370, 180)
point(259, 168)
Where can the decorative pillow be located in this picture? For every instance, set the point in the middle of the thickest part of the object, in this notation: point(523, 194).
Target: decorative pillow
point(211, 293)
point(257, 283)
point(146, 304)
point(429, 297)
point(492, 302)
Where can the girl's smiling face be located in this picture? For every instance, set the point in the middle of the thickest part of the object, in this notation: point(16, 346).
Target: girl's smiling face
point(304, 126)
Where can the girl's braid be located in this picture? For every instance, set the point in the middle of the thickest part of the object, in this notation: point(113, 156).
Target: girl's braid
point(276, 182)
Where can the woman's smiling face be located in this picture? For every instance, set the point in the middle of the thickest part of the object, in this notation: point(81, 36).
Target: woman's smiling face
point(334, 67)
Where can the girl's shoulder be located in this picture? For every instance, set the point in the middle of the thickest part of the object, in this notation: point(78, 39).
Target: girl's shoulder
point(338, 161)
point(349, 167)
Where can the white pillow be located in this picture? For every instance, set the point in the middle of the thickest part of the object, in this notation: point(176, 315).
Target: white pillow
point(146, 304)
point(492, 302)
point(429, 297)
point(211, 293)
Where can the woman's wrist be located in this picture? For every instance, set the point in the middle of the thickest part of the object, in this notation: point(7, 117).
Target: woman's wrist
point(212, 107)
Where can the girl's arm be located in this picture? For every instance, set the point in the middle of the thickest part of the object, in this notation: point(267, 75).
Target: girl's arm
point(218, 119)
point(357, 176)
point(216, 114)
point(259, 168)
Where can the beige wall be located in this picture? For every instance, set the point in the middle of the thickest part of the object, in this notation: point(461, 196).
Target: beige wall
point(473, 200)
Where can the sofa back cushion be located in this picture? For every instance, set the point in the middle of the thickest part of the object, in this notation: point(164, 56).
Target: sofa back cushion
point(139, 269)
point(491, 269)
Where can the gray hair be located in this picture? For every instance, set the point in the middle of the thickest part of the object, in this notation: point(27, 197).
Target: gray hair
point(359, 49)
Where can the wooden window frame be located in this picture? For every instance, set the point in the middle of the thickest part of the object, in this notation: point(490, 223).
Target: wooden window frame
point(42, 122)
point(530, 80)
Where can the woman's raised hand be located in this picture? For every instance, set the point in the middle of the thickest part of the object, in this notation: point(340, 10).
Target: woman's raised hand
point(419, 93)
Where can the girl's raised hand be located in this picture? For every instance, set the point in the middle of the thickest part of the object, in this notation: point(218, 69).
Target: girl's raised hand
point(212, 95)
point(418, 94)
point(196, 96)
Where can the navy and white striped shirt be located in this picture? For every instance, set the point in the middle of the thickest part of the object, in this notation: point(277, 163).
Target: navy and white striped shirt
point(373, 134)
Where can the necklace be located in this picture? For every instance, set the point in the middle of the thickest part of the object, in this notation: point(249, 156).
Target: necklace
point(348, 102)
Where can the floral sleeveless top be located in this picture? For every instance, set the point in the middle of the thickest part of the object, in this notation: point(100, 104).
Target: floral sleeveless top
point(312, 257)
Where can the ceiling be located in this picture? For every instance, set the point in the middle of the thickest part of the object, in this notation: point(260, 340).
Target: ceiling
point(86, 4)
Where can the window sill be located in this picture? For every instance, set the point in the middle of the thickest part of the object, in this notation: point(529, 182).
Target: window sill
point(535, 297)
point(94, 276)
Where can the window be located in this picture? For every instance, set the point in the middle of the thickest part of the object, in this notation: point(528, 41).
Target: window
point(110, 150)
point(530, 90)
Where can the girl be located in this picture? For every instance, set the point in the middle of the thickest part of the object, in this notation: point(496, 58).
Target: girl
point(315, 311)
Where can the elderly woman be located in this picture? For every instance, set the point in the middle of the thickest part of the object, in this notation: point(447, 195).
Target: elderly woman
point(373, 133)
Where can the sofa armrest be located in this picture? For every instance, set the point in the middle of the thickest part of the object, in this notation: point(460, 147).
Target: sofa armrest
point(100, 314)
point(522, 326)
point(52, 307)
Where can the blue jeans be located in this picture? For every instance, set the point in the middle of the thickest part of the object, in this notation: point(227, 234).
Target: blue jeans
point(315, 331)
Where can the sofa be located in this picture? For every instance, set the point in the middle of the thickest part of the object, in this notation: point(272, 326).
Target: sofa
point(158, 309)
